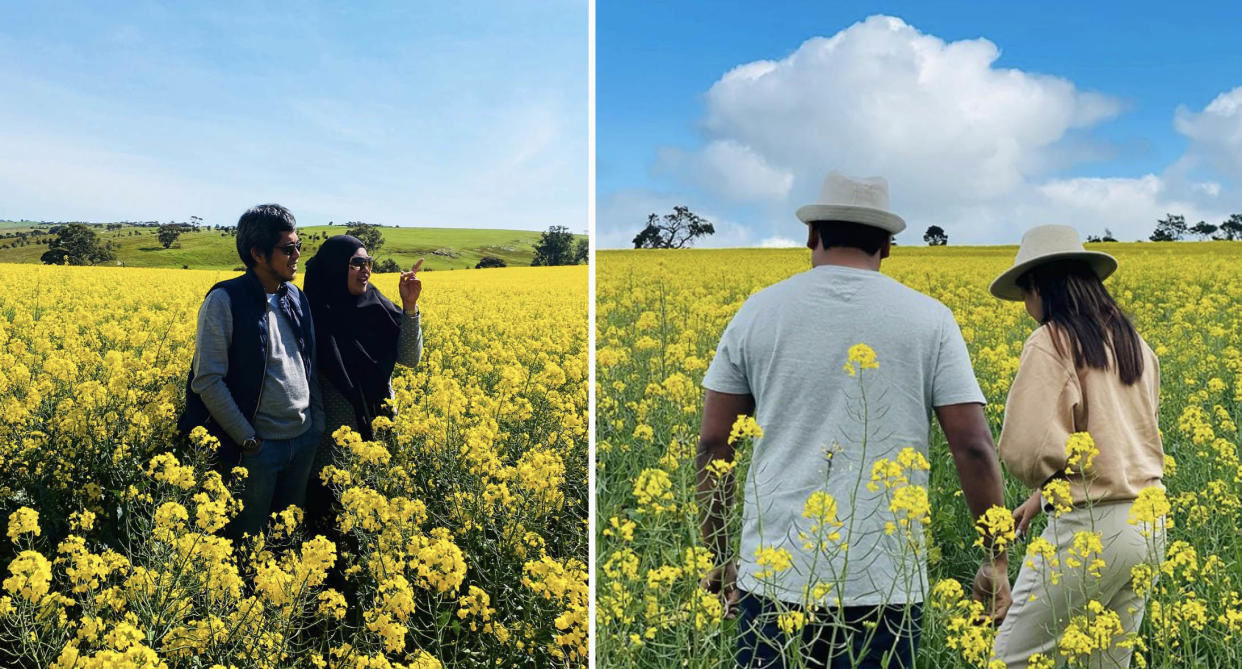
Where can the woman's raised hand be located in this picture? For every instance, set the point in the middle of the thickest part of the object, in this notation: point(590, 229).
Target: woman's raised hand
point(411, 287)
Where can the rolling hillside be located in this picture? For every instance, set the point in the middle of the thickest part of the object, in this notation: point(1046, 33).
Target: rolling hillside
point(442, 248)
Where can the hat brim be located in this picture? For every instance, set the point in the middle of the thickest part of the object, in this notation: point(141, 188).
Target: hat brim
point(877, 218)
point(1006, 287)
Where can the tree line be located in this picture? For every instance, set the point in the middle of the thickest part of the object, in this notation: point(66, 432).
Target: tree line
point(78, 243)
point(1171, 228)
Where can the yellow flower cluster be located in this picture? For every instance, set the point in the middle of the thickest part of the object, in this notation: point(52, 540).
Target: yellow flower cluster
point(659, 318)
point(116, 557)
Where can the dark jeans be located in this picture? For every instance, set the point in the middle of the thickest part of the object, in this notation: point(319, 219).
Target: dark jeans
point(277, 476)
point(838, 639)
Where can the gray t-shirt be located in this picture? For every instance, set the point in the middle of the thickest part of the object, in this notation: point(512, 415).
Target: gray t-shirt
point(788, 346)
point(287, 403)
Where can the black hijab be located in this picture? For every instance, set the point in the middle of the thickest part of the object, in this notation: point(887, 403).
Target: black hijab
point(357, 334)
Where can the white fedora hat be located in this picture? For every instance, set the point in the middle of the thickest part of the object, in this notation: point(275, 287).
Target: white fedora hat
point(1043, 244)
point(862, 201)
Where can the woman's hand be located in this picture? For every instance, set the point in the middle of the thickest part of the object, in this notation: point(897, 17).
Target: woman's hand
point(410, 287)
point(1026, 512)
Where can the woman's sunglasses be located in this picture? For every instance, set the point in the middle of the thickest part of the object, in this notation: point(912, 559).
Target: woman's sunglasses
point(359, 263)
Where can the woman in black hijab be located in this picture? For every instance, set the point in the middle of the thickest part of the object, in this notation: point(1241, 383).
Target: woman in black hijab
point(360, 335)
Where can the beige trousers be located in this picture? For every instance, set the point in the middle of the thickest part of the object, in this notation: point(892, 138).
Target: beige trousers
point(1042, 610)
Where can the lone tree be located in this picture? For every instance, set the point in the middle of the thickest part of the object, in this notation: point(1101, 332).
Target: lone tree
point(673, 231)
point(935, 236)
point(490, 261)
point(1108, 237)
point(169, 233)
point(555, 247)
point(367, 233)
point(76, 244)
point(1169, 229)
point(1203, 229)
point(1231, 229)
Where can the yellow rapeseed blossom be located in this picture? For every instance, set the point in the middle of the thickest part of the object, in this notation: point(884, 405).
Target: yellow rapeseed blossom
point(22, 522)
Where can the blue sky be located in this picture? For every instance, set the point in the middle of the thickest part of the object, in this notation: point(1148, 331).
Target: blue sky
point(986, 118)
point(469, 114)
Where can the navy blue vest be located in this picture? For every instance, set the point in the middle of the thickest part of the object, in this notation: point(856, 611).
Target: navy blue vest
point(248, 354)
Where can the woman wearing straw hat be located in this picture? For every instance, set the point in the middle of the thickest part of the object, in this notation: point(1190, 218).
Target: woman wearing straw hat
point(1085, 369)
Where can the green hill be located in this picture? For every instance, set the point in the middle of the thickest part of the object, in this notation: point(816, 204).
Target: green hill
point(137, 246)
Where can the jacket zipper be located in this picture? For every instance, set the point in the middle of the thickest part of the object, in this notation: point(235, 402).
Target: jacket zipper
point(267, 354)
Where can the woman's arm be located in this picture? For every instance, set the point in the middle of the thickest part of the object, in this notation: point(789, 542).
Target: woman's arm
point(410, 340)
point(1039, 416)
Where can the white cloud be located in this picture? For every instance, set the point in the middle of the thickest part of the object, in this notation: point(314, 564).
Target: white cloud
point(979, 150)
point(737, 172)
point(780, 243)
point(1215, 133)
point(880, 97)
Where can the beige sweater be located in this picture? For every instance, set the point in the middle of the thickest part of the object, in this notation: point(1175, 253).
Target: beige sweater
point(1050, 400)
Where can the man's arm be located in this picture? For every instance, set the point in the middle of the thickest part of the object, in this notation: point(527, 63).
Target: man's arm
point(715, 495)
point(978, 471)
point(211, 364)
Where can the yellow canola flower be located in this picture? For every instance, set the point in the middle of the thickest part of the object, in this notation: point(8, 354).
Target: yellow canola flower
point(1080, 451)
point(744, 427)
point(23, 521)
point(995, 528)
point(860, 357)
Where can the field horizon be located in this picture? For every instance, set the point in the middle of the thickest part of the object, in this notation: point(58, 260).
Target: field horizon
point(211, 249)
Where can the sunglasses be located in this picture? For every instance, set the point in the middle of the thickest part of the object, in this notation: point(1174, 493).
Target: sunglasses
point(359, 263)
point(288, 249)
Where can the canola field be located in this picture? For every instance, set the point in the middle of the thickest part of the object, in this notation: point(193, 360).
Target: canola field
point(463, 528)
point(659, 317)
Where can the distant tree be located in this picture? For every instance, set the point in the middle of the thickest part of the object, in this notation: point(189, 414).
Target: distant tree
point(582, 252)
point(555, 247)
point(935, 236)
point(76, 244)
point(490, 261)
point(385, 266)
point(1232, 228)
point(168, 234)
point(1203, 229)
point(673, 231)
point(1170, 228)
point(367, 233)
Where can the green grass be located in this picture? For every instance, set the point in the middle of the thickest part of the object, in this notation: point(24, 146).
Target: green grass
point(441, 248)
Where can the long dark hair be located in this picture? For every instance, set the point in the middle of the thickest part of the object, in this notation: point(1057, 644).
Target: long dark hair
point(1078, 304)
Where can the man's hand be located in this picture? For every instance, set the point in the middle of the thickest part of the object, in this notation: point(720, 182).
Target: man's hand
point(1025, 513)
point(722, 581)
point(991, 587)
point(411, 287)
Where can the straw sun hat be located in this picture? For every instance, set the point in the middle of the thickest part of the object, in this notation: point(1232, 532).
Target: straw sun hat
point(1044, 244)
point(862, 201)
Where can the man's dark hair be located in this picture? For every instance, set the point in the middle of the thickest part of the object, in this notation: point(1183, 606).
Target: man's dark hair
point(260, 228)
point(868, 238)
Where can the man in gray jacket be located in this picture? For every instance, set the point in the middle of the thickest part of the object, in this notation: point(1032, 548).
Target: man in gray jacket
point(252, 382)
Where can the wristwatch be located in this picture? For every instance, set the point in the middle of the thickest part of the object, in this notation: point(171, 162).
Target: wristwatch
point(251, 445)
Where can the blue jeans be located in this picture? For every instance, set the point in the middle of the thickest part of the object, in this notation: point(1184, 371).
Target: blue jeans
point(843, 642)
point(276, 478)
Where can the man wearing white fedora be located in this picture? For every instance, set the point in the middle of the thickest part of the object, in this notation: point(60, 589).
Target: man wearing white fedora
point(781, 359)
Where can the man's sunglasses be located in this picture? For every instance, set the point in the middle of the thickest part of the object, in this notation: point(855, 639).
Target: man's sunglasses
point(288, 249)
point(358, 262)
